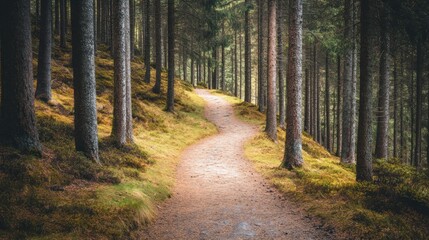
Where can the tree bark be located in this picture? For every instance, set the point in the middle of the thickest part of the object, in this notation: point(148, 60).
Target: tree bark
point(261, 57)
point(132, 27)
point(63, 24)
point(236, 65)
point(271, 121)
point(147, 41)
point(120, 74)
point(223, 85)
point(158, 46)
point(280, 62)
point(17, 117)
point(247, 55)
point(43, 90)
point(381, 146)
point(419, 106)
point(349, 95)
point(307, 120)
point(339, 115)
point(193, 82)
point(86, 133)
point(327, 107)
point(293, 148)
point(57, 16)
point(315, 89)
point(368, 42)
point(171, 39)
point(395, 107)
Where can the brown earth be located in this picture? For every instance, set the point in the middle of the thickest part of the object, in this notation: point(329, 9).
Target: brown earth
point(218, 194)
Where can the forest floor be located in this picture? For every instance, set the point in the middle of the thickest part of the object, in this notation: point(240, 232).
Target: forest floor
point(219, 195)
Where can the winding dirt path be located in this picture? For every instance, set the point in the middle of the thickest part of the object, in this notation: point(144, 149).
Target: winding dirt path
point(219, 195)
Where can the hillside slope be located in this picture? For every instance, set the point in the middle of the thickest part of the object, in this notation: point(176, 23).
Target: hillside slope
point(63, 194)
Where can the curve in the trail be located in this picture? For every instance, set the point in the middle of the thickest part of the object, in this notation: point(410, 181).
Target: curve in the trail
point(218, 194)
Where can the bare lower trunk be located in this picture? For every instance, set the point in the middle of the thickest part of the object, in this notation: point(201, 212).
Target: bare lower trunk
point(368, 42)
point(280, 62)
point(339, 103)
point(271, 122)
point(247, 55)
point(17, 117)
point(348, 116)
point(381, 146)
point(327, 107)
point(158, 46)
point(86, 133)
point(120, 74)
point(293, 148)
point(43, 90)
point(171, 39)
point(147, 41)
point(419, 101)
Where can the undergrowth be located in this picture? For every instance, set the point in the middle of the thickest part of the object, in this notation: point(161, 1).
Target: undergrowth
point(394, 206)
point(63, 195)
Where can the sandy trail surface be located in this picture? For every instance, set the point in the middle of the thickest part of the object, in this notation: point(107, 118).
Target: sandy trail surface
point(219, 195)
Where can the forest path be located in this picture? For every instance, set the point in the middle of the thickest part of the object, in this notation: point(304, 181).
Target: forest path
point(218, 194)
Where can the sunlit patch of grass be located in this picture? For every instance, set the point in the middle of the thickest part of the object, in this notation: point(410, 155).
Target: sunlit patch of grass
point(63, 195)
point(395, 206)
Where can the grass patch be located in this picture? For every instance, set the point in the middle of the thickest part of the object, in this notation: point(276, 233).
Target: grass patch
point(63, 195)
point(395, 206)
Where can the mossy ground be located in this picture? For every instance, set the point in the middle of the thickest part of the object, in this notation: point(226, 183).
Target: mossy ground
point(395, 206)
point(63, 195)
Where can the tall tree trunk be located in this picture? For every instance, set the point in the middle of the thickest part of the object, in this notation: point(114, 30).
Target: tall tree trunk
point(348, 123)
point(401, 111)
point(193, 82)
point(215, 73)
point(261, 55)
point(43, 90)
point(318, 123)
point(99, 31)
point(247, 54)
point(120, 74)
point(327, 107)
point(171, 39)
point(339, 115)
point(412, 107)
point(271, 122)
point(37, 12)
point(185, 64)
point(158, 46)
point(129, 114)
point(293, 148)
point(165, 41)
point(395, 107)
point(132, 27)
point(63, 23)
point(241, 66)
point(381, 146)
point(368, 42)
point(315, 93)
point(280, 62)
point(236, 65)
point(147, 41)
point(223, 60)
point(57, 16)
point(419, 102)
point(17, 117)
point(311, 92)
point(86, 133)
point(307, 119)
